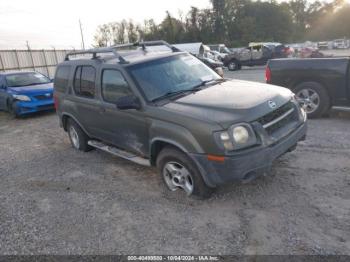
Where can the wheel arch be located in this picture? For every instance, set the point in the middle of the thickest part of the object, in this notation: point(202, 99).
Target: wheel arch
point(158, 144)
point(65, 117)
point(298, 82)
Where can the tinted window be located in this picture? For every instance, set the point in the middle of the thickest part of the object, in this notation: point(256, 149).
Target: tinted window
point(61, 78)
point(114, 86)
point(84, 81)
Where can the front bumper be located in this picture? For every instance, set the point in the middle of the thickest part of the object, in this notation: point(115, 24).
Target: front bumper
point(248, 165)
point(22, 107)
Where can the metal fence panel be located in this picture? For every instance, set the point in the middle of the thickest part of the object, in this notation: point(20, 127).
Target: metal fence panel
point(43, 61)
point(9, 60)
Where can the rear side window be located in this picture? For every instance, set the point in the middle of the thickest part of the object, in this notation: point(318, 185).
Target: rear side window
point(61, 78)
point(84, 81)
point(114, 86)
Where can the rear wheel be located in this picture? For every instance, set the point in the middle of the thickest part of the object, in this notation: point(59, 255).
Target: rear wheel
point(313, 98)
point(180, 173)
point(77, 136)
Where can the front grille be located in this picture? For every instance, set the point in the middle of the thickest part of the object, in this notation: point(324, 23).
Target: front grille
point(43, 97)
point(278, 118)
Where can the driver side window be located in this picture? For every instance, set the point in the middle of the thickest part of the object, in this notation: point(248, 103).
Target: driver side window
point(114, 86)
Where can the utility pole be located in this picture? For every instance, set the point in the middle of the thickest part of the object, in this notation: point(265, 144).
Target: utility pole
point(82, 35)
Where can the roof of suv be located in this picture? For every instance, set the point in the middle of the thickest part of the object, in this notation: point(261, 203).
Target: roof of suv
point(111, 55)
point(132, 57)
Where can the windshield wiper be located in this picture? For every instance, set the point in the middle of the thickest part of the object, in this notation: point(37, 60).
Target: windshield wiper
point(193, 89)
point(205, 82)
point(171, 94)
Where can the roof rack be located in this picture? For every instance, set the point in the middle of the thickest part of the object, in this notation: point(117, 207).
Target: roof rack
point(113, 49)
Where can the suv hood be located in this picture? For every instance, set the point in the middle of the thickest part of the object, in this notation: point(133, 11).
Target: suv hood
point(34, 89)
point(231, 102)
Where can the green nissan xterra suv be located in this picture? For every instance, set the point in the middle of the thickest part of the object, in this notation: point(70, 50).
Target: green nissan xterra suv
point(167, 109)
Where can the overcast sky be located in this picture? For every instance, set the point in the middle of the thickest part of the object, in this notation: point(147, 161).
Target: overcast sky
point(48, 23)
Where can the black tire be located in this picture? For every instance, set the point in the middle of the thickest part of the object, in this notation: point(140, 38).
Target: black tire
point(171, 155)
point(82, 138)
point(233, 65)
point(324, 103)
point(11, 109)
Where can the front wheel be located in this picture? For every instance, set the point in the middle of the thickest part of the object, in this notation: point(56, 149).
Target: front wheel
point(12, 109)
point(313, 98)
point(233, 65)
point(180, 173)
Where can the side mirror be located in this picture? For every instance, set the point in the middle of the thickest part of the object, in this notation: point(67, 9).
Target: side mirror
point(219, 71)
point(128, 102)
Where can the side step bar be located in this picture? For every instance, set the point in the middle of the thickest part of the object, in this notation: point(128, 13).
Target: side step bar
point(341, 108)
point(118, 152)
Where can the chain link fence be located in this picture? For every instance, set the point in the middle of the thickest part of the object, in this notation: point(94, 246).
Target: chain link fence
point(43, 61)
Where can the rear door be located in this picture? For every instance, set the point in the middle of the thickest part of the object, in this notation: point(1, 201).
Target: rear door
point(84, 102)
point(126, 129)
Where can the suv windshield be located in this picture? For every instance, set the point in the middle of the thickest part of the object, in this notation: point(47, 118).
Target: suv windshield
point(171, 75)
point(26, 79)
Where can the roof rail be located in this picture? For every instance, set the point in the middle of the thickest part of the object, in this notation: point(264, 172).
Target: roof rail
point(113, 49)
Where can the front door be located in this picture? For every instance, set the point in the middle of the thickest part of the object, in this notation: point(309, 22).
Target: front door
point(126, 129)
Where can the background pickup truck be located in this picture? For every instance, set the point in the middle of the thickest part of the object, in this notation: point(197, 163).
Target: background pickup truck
point(319, 83)
point(253, 55)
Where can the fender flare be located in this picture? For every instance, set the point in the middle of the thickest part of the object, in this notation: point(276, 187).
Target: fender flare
point(75, 120)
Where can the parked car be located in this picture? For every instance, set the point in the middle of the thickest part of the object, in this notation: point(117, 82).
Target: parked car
point(203, 53)
point(221, 48)
point(318, 83)
point(25, 92)
point(340, 44)
point(278, 50)
point(323, 45)
point(169, 110)
point(309, 52)
point(255, 54)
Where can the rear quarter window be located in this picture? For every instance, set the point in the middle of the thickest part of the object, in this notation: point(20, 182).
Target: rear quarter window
point(62, 78)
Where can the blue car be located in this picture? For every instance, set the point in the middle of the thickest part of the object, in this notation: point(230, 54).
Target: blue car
point(25, 92)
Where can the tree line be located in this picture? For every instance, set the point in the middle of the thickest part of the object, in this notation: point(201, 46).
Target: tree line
point(238, 22)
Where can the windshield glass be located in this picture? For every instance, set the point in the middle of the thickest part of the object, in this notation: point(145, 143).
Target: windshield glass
point(226, 50)
point(171, 74)
point(26, 79)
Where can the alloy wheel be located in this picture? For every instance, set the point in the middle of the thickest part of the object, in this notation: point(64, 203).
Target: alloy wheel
point(177, 176)
point(308, 99)
point(74, 137)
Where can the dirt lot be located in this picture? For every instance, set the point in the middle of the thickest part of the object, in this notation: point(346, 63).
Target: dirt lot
point(55, 200)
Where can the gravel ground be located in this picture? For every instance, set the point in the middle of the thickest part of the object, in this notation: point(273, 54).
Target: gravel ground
point(55, 200)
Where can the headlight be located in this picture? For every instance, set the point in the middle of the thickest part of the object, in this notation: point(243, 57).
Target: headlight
point(22, 97)
point(236, 137)
point(240, 134)
point(303, 114)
